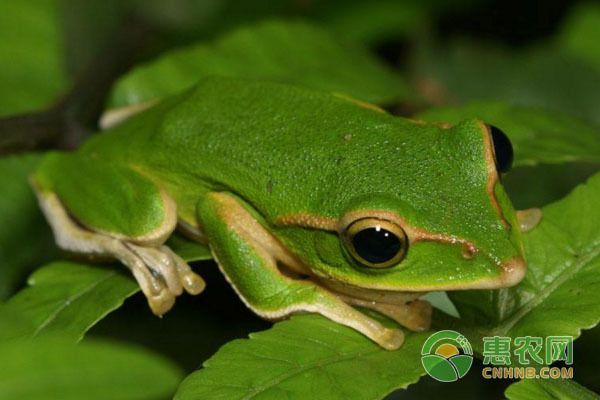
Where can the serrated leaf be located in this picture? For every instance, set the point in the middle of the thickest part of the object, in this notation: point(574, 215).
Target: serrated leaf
point(307, 356)
point(25, 239)
point(542, 76)
point(538, 136)
point(560, 293)
point(69, 298)
point(534, 389)
point(293, 52)
point(32, 73)
point(52, 368)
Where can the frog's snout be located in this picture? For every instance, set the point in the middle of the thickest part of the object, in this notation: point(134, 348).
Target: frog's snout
point(513, 271)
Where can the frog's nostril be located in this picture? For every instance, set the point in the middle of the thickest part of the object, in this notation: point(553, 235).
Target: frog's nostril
point(514, 271)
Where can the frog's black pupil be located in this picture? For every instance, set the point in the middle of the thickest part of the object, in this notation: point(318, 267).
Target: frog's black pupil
point(503, 149)
point(376, 245)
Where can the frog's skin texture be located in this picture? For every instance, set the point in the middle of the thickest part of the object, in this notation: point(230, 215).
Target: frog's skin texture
point(271, 176)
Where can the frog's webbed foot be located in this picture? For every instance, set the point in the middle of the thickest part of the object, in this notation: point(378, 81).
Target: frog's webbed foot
point(161, 274)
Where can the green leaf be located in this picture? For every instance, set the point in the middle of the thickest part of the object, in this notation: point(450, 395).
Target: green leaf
point(377, 21)
point(307, 356)
point(69, 298)
point(52, 368)
point(32, 73)
point(25, 239)
point(560, 294)
point(541, 77)
point(293, 52)
point(580, 33)
point(538, 136)
point(533, 389)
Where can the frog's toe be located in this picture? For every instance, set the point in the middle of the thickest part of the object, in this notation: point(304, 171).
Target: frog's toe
point(193, 283)
point(529, 218)
point(391, 339)
point(169, 269)
point(161, 303)
point(419, 315)
point(188, 279)
point(161, 265)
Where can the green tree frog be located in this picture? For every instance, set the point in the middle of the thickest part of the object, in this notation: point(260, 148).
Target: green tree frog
point(309, 201)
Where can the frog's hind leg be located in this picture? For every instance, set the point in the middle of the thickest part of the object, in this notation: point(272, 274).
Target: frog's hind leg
point(111, 228)
point(248, 254)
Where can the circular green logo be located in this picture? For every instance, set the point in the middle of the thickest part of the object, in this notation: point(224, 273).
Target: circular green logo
point(447, 356)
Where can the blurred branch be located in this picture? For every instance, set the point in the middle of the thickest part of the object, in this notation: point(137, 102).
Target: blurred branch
point(65, 124)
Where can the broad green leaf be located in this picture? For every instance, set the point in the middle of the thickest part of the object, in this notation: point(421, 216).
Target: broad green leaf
point(541, 77)
point(305, 357)
point(52, 368)
point(25, 239)
point(293, 52)
point(534, 389)
point(580, 33)
point(538, 136)
point(31, 49)
point(560, 294)
point(13, 325)
point(69, 298)
point(542, 184)
point(378, 20)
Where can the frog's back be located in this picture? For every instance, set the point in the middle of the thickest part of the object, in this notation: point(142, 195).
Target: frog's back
point(261, 140)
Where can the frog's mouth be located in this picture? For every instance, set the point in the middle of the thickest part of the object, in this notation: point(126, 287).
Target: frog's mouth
point(512, 273)
point(412, 285)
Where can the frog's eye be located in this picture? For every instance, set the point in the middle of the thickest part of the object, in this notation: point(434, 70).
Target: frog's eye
point(375, 243)
point(503, 150)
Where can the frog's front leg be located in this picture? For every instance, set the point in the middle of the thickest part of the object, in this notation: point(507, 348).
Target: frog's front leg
point(160, 272)
point(248, 254)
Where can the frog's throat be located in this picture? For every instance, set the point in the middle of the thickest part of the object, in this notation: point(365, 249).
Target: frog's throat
point(369, 294)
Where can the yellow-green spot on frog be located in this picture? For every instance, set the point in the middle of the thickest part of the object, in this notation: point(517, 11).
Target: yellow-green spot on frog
point(309, 202)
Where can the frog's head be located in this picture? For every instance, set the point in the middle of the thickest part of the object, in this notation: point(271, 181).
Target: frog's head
point(421, 210)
